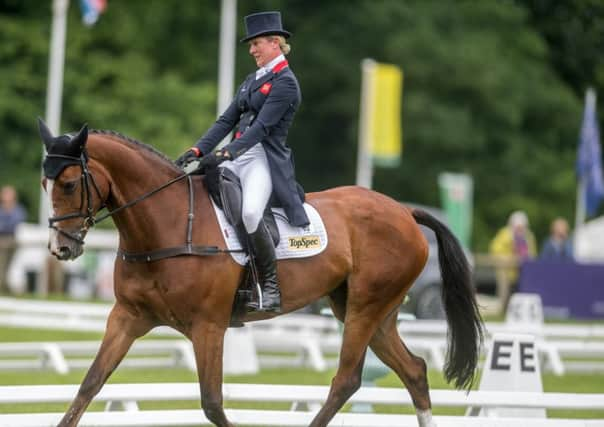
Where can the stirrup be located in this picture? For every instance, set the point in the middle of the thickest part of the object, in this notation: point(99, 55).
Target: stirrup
point(252, 306)
point(260, 306)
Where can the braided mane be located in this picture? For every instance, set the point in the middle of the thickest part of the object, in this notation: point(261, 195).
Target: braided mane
point(116, 136)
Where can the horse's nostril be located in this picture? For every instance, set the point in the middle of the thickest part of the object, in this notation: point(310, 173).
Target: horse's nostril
point(64, 252)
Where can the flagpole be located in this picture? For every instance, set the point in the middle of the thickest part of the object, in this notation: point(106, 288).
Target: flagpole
point(50, 277)
point(226, 57)
point(579, 217)
point(54, 86)
point(364, 161)
point(580, 208)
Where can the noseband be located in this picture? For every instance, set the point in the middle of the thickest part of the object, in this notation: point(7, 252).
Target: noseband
point(85, 198)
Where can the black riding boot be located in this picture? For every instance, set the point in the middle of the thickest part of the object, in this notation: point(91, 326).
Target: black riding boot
point(263, 250)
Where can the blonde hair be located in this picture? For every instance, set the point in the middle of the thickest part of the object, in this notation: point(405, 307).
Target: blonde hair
point(283, 45)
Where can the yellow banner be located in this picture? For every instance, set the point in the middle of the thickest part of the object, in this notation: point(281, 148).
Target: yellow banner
point(385, 128)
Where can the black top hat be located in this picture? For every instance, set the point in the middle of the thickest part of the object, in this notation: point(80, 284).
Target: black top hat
point(264, 24)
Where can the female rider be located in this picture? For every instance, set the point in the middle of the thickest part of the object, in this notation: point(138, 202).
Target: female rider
point(263, 111)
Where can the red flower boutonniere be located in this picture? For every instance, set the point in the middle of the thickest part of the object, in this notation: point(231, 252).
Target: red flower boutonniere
point(266, 88)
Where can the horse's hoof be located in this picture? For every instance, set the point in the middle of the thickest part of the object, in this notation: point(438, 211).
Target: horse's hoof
point(236, 324)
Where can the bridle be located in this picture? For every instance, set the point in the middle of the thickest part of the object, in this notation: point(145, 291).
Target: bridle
point(90, 220)
point(85, 198)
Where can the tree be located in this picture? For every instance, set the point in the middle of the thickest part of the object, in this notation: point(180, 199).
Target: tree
point(480, 97)
point(121, 80)
point(485, 92)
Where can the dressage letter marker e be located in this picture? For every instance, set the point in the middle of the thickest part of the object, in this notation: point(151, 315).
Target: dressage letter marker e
point(512, 364)
point(502, 353)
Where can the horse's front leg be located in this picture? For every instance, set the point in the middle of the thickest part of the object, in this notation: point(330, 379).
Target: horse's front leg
point(122, 329)
point(208, 340)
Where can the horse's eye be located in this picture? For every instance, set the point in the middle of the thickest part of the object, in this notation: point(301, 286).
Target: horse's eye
point(69, 187)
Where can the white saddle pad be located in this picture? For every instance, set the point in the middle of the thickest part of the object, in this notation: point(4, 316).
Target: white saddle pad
point(295, 242)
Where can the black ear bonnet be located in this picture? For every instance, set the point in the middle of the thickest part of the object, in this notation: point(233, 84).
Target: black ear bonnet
point(62, 151)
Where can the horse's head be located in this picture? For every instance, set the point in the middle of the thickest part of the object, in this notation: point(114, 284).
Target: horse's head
point(72, 190)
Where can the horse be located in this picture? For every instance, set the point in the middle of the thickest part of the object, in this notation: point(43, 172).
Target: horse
point(375, 252)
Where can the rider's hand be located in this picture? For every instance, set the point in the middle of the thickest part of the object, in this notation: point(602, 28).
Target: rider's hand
point(188, 156)
point(213, 159)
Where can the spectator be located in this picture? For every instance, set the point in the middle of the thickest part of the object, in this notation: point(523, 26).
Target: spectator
point(512, 245)
point(516, 239)
point(558, 245)
point(11, 214)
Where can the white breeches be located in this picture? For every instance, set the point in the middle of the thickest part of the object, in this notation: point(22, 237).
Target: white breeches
point(256, 185)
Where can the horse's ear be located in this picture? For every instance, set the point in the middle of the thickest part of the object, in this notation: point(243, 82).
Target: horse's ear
point(45, 133)
point(79, 141)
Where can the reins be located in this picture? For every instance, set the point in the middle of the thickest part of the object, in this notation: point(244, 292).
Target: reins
point(90, 220)
point(141, 198)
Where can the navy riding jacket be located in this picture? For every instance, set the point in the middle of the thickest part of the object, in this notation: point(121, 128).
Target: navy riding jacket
point(263, 111)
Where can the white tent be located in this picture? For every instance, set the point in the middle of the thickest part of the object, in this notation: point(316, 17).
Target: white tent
point(589, 241)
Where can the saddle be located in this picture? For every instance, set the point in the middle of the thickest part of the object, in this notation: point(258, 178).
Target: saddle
point(224, 188)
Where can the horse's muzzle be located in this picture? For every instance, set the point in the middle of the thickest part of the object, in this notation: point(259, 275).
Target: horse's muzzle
point(67, 252)
point(66, 244)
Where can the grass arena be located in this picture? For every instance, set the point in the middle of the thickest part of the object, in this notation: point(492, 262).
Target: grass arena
point(137, 370)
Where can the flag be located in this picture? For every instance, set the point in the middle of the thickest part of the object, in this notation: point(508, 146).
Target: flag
point(385, 133)
point(589, 159)
point(91, 10)
point(456, 196)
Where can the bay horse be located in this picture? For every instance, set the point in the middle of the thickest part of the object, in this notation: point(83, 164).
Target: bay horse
point(375, 251)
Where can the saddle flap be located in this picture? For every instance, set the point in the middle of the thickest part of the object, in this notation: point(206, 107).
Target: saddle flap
point(224, 188)
point(295, 242)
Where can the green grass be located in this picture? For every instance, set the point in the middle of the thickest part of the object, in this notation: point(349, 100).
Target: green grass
point(551, 383)
point(24, 335)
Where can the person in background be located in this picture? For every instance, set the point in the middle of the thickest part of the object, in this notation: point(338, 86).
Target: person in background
point(516, 239)
point(511, 246)
point(11, 212)
point(558, 246)
point(11, 215)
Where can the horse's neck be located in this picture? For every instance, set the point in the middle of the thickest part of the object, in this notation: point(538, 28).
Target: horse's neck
point(132, 173)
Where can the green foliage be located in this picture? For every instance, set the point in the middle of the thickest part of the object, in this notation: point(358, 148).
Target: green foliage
point(493, 89)
point(119, 75)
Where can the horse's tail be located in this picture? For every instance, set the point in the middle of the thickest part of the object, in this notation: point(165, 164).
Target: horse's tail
point(465, 324)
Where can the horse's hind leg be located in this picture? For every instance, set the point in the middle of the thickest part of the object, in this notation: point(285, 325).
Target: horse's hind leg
point(388, 346)
point(360, 324)
point(122, 330)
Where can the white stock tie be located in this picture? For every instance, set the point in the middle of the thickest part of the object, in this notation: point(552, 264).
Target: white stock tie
point(261, 72)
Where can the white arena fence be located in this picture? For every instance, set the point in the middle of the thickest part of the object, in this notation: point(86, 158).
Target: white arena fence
point(121, 406)
point(62, 357)
point(275, 351)
point(31, 254)
point(294, 340)
point(263, 418)
point(67, 355)
point(438, 328)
